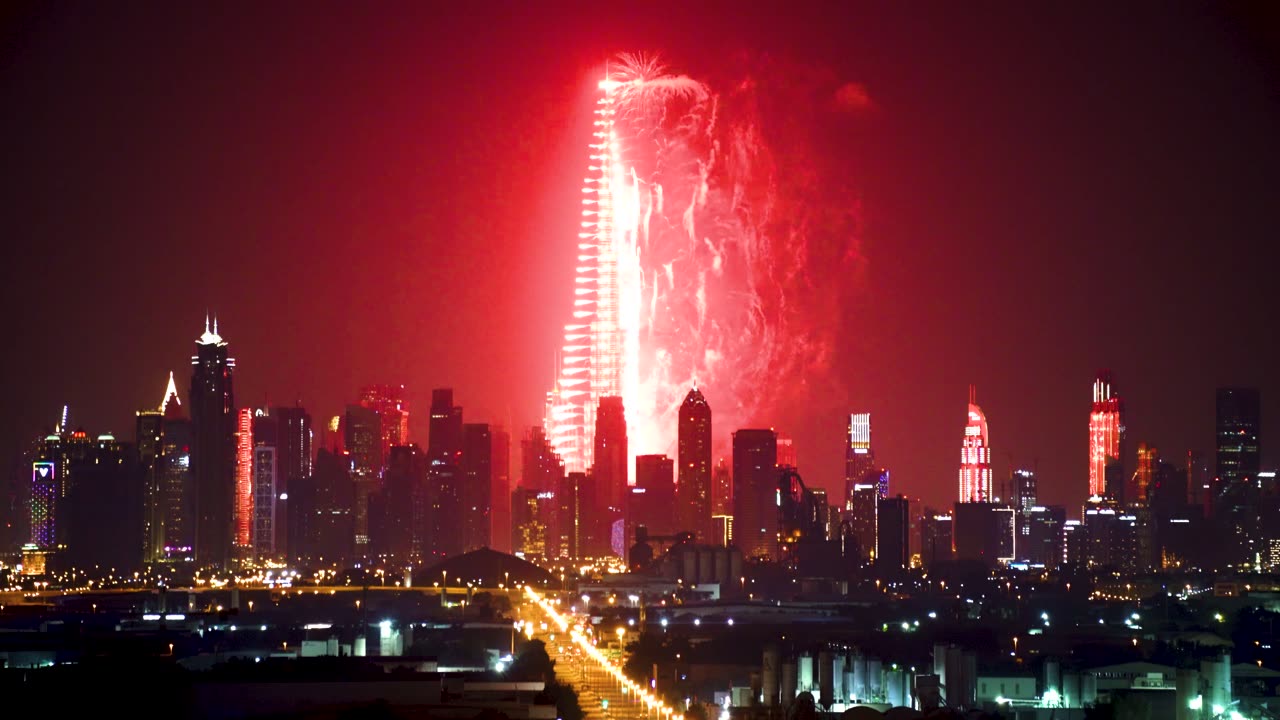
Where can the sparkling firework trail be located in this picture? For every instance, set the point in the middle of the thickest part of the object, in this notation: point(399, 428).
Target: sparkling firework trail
point(711, 253)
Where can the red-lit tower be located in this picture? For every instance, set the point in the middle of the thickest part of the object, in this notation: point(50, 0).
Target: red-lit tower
point(975, 456)
point(1106, 425)
point(243, 533)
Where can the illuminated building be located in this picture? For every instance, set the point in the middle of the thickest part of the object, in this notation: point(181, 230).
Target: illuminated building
point(393, 411)
point(1040, 540)
point(177, 485)
point(653, 498)
point(1238, 427)
point(975, 456)
point(1026, 489)
point(213, 451)
point(43, 504)
point(1236, 497)
point(149, 438)
point(1140, 484)
point(243, 538)
point(893, 543)
point(265, 510)
point(722, 489)
point(362, 432)
point(477, 481)
point(529, 515)
point(693, 480)
point(293, 464)
point(1106, 431)
point(787, 456)
point(755, 482)
point(500, 490)
point(35, 560)
point(601, 344)
point(859, 460)
point(722, 529)
point(862, 507)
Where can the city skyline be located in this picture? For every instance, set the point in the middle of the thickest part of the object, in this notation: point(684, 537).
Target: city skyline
point(1034, 363)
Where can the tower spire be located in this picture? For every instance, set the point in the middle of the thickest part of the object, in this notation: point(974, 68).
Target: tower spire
point(170, 393)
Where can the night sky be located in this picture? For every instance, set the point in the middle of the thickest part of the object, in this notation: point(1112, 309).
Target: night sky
point(390, 194)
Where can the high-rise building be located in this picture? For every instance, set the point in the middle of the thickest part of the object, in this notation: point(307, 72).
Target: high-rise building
point(610, 471)
point(103, 511)
point(149, 439)
point(570, 519)
point(893, 541)
point(859, 460)
point(399, 512)
point(540, 467)
point(1106, 431)
point(530, 509)
point(500, 490)
point(787, 455)
point(975, 456)
point(177, 485)
point(1238, 429)
point(243, 511)
point(652, 498)
point(722, 490)
point(323, 509)
point(264, 502)
point(862, 510)
point(445, 439)
point(477, 482)
point(1027, 492)
point(755, 485)
point(446, 510)
point(693, 482)
point(393, 411)
point(362, 431)
point(43, 504)
point(1140, 484)
point(213, 457)
point(293, 463)
point(936, 537)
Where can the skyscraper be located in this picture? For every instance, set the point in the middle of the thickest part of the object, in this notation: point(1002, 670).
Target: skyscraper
point(362, 431)
point(149, 439)
point(393, 411)
point(293, 463)
point(265, 510)
point(652, 498)
point(500, 491)
point(399, 514)
point(893, 542)
point(477, 481)
point(243, 511)
point(1238, 429)
point(975, 456)
point(322, 503)
point(721, 489)
point(104, 509)
point(445, 439)
point(1106, 429)
point(755, 484)
point(610, 470)
point(693, 484)
point(863, 512)
point(213, 447)
point(177, 484)
point(859, 460)
point(1026, 489)
point(43, 503)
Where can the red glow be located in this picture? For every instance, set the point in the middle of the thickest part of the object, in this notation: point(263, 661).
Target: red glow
point(244, 477)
